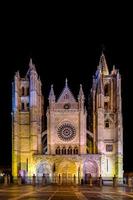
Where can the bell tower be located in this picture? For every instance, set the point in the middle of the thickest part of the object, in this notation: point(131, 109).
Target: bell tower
point(27, 112)
point(107, 119)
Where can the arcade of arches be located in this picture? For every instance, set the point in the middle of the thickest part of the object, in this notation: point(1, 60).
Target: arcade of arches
point(65, 169)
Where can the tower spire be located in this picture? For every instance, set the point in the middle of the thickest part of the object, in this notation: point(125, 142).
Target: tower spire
point(114, 71)
point(51, 94)
point(66, 82)
point(81, 93)
point(81, 98)
point(30, 62)
point(103, 64)
point(31, 65)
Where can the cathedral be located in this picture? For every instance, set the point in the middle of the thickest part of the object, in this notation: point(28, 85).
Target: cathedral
point(79, 141)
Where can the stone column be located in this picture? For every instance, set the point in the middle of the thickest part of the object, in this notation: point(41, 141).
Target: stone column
point(90, 181)
point(114, 181)
point(59, 179)
point(100, 181)
point(129, 182)
point(5, 180)
point(33, 180)
point(79, 182)
point(9, 178)
point(74, 179)
point(19, 180)
point(54, 178)
point(43, 180)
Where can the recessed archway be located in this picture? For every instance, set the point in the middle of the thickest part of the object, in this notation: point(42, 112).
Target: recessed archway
point(43, 169)
point(90, 168)
point(67, 172)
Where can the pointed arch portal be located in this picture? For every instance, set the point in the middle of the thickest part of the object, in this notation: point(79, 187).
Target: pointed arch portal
point(90, 168)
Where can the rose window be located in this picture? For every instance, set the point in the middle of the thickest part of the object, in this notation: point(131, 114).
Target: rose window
point(66, 132)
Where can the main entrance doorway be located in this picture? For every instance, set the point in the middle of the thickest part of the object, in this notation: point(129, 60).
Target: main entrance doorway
point(66, 173)
point(67, 179)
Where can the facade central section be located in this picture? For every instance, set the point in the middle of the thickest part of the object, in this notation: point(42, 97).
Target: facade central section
point(66, 120)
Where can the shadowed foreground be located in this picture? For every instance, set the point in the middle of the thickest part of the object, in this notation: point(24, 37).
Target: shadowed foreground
point(29, 192)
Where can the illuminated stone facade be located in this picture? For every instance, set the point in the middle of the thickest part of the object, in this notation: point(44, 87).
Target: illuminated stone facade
point(70, 148)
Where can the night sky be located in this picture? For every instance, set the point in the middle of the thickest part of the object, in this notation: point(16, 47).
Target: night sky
point(65, 41)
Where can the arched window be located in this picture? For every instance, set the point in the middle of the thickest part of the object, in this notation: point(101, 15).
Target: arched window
point(106, 105)
point(69, 150)
point(57, 151)
point(75, 151)
point(106, 90)
point(106, 123)
point(63, 150)
point(22, 106)
point(22, 91)
point(27, 106)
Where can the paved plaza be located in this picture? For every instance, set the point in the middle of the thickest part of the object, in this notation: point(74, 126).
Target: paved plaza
point(29, 192)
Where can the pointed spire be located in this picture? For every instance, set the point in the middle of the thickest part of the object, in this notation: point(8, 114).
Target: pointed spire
point(114, 71)
point(31, 65)
point(17, 74)
point(66, 81)
point(103, 65)
point(81, 93)
point(113, 67)
point(51, 94)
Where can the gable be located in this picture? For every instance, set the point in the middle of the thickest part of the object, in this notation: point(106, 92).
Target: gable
point(66, 96)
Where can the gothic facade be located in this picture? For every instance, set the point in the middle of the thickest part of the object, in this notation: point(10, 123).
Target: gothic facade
point(71, 146)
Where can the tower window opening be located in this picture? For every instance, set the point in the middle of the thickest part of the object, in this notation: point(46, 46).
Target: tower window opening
point(27, 106)
point(107, 165)
point(109, 147)
point(106, 123)
point(106, 90)
point(27, 91)
point(22, 106)
point(22, 91)
point(106, 105)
